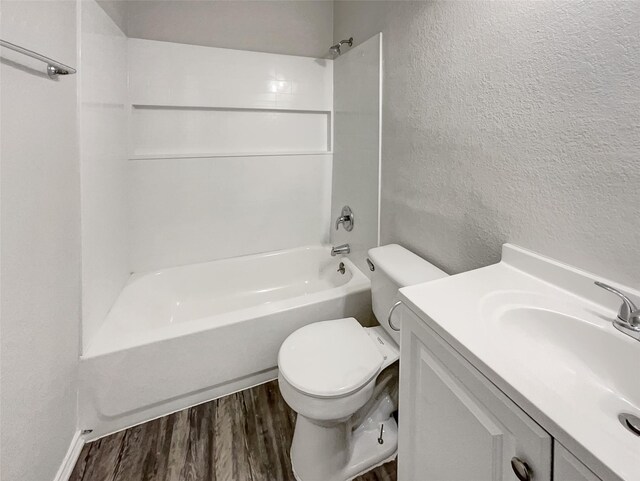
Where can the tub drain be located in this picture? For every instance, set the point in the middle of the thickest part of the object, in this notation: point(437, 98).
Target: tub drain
point(631, 422)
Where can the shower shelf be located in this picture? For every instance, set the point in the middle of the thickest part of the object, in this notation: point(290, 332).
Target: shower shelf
point(163, 132)
point(228, 108)
point(219, 154)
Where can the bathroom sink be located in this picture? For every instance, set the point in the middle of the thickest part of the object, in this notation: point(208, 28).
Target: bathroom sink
point(542, 332)
point(600, 357)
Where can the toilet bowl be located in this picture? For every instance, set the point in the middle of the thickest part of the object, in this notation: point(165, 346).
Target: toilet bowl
point(341, 379)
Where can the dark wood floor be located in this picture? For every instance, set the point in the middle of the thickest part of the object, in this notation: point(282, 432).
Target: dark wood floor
point(245, 437)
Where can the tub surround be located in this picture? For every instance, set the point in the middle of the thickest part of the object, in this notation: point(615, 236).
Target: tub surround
point(103, 164)
point(185, 211)
point(182, 163)
point(174, 74)
point(223, 144)
point(357, 77)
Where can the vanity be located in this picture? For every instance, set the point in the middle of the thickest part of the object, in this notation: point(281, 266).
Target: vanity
point(516, 371)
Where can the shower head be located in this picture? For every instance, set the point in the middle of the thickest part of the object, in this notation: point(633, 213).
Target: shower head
point(335, 49)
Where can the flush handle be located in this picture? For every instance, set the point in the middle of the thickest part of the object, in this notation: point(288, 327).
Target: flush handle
point(521, 469)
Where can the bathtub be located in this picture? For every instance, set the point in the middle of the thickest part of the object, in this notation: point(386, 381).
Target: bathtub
point(185, 335)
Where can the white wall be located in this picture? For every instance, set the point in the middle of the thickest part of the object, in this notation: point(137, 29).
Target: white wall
point(509, 122)
point(276, 26)
point(102, 75)
point(40, 242)
point(197, 112)
point(356, 166)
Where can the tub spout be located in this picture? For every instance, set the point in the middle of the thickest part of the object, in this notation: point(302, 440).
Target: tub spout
point(341, 249)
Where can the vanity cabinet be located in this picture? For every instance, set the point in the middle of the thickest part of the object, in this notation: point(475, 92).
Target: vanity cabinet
point(566, 467)
point(457, 426)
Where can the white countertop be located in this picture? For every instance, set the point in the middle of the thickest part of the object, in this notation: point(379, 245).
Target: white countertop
point(542, 333)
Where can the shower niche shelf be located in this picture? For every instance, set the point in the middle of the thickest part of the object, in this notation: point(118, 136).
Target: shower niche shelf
point(205, 155)
point(166, 131)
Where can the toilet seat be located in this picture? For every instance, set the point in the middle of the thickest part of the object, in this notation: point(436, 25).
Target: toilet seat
point(330, 359)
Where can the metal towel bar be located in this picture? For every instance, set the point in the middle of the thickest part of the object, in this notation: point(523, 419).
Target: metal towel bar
point(54, 68)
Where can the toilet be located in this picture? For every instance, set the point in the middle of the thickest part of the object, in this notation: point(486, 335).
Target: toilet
point(341, 379)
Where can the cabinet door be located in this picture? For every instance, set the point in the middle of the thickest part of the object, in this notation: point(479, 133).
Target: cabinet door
point(566, 467)
point(454, 424)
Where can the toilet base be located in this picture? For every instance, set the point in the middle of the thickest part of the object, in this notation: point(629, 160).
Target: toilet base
point(368, 453)
point(336, 453)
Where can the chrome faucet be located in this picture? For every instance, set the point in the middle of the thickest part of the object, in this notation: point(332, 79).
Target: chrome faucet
point(628, 320)
point(341, 249)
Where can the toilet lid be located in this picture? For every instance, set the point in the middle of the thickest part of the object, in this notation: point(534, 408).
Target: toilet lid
point(329, 358)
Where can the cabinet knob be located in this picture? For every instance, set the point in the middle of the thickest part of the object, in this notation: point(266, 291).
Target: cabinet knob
point(521, 469)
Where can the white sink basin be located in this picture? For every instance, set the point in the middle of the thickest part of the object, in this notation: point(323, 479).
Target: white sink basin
point(542, 332)
point(600, 358)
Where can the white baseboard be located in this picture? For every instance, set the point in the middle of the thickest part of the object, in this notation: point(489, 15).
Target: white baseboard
point(69, 461)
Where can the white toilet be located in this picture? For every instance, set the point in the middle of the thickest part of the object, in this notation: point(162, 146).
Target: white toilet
point(331, 374)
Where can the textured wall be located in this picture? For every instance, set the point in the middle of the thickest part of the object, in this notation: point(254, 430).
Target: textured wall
point(40, 243)
point(509, 122)
point(276, 26)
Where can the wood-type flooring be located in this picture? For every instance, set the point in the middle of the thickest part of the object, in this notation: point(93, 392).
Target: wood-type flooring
point(242, 437)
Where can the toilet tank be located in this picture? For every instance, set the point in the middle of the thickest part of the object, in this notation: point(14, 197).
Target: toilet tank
point(396, 267)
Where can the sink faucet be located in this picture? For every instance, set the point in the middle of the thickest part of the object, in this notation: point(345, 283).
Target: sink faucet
point(628, 320)
point(341, 249)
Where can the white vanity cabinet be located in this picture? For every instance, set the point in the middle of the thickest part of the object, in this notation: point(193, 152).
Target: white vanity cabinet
point(566, 467)
point(457, 426)
point(517, 361)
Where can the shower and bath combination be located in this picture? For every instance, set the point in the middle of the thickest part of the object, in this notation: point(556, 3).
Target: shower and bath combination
point(335, 49)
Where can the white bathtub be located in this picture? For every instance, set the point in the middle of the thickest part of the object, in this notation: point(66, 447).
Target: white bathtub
point(189, 334)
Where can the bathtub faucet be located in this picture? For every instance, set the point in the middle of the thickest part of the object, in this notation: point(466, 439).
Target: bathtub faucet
point(341, 249)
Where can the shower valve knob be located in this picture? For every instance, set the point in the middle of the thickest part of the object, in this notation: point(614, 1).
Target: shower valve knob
point(346, 218)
